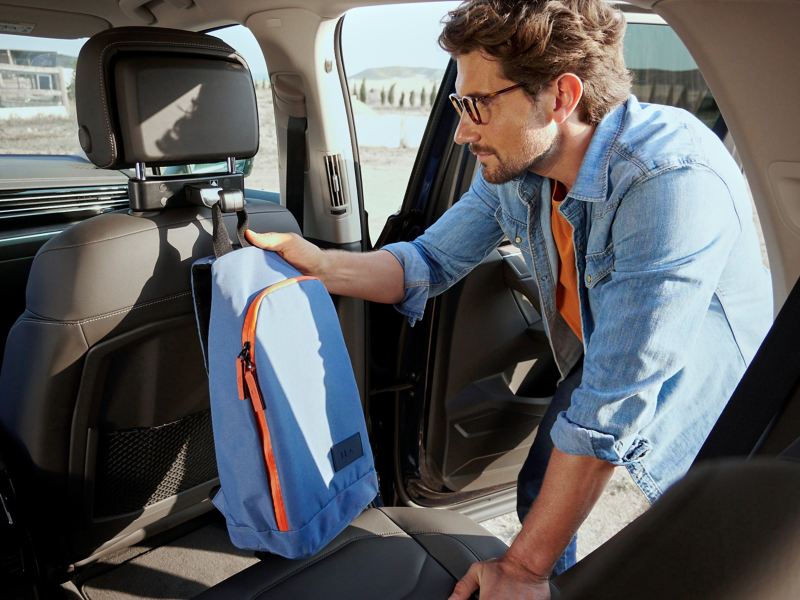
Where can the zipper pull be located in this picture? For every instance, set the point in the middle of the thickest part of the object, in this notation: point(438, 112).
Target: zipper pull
point(243, 363)
point(245, 353)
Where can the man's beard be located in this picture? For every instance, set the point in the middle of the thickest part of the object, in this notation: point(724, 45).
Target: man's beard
point(506, 170)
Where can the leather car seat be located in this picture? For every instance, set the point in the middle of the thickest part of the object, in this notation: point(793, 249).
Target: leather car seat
point(387, 553)
point(103, 391)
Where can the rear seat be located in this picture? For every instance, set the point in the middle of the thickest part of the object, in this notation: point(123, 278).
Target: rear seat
point(386, 553)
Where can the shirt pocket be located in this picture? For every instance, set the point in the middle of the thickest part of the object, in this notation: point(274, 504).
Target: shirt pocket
point(598, 266)
point(513, 228)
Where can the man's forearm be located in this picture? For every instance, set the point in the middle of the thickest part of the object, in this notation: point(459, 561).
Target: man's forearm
point(375, 276)
point(571, 487)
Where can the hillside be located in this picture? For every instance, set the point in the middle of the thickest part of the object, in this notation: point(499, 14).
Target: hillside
point(381, 73)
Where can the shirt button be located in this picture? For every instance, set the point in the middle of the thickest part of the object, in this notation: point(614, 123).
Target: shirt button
point(517, 240)
point(588, 279)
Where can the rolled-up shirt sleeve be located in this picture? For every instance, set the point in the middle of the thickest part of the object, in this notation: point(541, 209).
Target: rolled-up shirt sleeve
point(672, 235)
point(449, 249)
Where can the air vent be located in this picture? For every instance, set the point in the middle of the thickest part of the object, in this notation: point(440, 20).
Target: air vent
point(334, 172)
point(20, 209)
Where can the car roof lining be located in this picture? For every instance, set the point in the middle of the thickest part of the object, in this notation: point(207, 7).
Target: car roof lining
point(82, 18)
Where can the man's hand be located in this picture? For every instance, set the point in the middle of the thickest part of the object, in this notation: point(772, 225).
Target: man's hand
point(301, 254)
point(501, 579)
point(375, 276)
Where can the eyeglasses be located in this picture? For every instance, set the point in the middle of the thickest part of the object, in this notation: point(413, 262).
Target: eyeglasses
point(470, 103)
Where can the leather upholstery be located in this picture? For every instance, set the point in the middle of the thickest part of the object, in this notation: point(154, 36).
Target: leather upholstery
point(107, 343)
point(729, 529)
point(163, 97)
point(387, 553)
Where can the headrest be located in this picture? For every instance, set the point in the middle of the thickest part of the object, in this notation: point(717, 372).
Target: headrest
point(163, 97)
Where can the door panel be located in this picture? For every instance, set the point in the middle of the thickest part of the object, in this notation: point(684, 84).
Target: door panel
point(473, 379)
point(493, 376)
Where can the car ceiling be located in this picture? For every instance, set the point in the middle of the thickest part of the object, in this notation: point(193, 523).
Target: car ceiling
point(82, 18)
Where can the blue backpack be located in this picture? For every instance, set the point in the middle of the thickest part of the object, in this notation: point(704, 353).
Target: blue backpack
point(294, 461)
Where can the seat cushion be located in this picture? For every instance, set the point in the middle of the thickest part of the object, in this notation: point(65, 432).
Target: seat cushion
point(385, 553)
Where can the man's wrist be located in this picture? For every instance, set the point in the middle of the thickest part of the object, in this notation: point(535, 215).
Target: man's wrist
point(537, 568)
point(326, 269)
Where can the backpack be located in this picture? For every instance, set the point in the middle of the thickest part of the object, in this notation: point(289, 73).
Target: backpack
point(294, 460)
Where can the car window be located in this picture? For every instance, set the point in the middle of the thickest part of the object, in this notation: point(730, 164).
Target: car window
point(37, 95)
point(37, 108)
point(665, 73)
point(394, 66)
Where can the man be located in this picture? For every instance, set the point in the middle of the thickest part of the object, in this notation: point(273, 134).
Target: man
point(638, 230)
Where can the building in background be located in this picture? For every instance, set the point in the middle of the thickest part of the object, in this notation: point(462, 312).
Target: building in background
point(34, 83)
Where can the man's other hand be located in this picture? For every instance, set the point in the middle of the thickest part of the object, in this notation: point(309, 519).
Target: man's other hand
point(501, 579)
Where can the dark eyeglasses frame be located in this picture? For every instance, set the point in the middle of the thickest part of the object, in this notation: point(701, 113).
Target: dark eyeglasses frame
point(470, 103)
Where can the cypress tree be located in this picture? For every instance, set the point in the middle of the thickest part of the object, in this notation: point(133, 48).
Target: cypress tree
point(383, 96)
point(402, 99)
point(391, 94)
point(362, 92)
point(423, 98)
point(412, 97)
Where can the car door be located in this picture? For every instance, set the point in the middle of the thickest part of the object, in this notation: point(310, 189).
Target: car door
point(463, 391)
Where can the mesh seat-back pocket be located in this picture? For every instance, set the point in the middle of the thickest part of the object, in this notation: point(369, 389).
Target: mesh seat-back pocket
point(139, 467)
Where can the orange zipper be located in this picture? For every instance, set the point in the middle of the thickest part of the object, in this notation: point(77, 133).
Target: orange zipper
point(247, 383)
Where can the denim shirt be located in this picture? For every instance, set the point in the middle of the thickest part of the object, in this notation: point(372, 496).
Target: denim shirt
point(674, 297)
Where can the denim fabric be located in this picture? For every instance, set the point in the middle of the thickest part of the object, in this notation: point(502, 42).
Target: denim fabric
point(674, 297)
point(531, 476)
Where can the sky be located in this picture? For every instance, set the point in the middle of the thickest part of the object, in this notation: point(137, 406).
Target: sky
point(394, 35)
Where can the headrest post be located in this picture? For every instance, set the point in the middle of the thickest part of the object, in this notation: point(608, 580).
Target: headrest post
point(231, 165)
point(140, 171)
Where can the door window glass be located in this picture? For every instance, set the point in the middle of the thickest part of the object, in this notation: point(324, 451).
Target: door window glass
point(665, 73)
point(394, 66)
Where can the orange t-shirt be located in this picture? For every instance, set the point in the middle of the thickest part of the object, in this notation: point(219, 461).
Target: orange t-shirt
point(567, 301)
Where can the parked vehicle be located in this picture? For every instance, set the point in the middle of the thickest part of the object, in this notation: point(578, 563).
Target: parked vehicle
point(106, 458)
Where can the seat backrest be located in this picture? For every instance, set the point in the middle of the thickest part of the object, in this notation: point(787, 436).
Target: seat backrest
point(730, 529)
point(103, 392)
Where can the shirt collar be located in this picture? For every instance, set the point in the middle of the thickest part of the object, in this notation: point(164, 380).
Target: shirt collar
point(591, 184)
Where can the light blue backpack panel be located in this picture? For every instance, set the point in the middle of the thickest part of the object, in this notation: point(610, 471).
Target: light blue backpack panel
point(312, 411)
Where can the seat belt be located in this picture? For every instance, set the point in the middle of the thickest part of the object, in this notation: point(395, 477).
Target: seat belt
point(295, 166)
point(765, 390)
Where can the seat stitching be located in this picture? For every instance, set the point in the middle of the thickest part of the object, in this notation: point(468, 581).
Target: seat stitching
point(83, 335)
point(197, 218)
point(23, 319)
point(101, 79)
point(324, 555)
point(108, 314)
point(412, 534)
point(451, 536)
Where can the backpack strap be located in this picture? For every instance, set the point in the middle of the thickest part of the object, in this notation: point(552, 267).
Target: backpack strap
point(221, 239)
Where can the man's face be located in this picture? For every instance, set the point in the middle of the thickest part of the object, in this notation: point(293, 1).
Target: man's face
point(516, 135)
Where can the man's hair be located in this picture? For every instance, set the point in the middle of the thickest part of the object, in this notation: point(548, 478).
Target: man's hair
point(536, 41)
